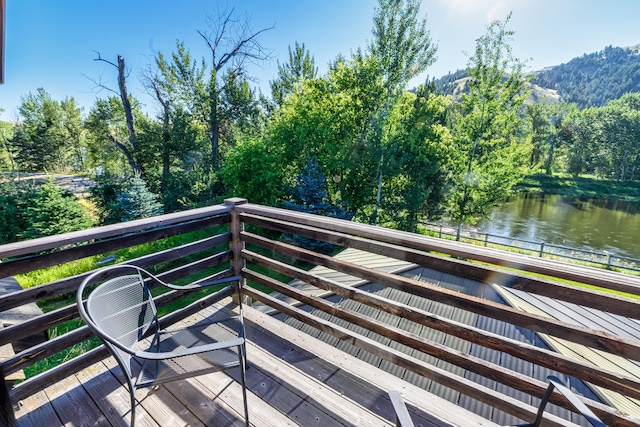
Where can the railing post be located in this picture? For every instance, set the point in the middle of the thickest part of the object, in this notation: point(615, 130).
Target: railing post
point(541, 249)
point(609, 261)
point(486, 239)
point(7, 417)
point(236, 245)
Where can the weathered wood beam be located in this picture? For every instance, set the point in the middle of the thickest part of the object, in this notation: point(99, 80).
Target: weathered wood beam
point(35, 262)
point(592, 338)
point(540, 356)
point(589, 298)
point(70, 284)
point(483, 394)
point(52, 242)
point(593, 276)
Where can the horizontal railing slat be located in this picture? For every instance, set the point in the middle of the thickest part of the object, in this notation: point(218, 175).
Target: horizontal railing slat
point(589, 298)
point(35, 262)
point(597, 339)
point(458, 383)
point(537, 355)
point(70, 284)
point(52, 242)
point(593, 276)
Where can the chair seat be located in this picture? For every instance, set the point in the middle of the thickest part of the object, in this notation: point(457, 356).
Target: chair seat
point(158, 372)
point(121, 311)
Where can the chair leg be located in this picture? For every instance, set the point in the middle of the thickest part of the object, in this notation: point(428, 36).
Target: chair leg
point(243, 381)
point(132, 394)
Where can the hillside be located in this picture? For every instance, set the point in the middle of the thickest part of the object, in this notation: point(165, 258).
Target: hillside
point(588, 80)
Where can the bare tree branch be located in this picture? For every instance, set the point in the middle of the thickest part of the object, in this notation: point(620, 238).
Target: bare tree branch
point(128, 111)
point(241, 46)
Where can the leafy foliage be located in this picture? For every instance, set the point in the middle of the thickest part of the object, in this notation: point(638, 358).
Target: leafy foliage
point(301, 66)
point(14, 198)
point(49, 135)
point(420, 153)
point(491, 155)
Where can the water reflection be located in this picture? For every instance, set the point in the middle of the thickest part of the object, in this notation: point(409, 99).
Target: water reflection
point(596, 224)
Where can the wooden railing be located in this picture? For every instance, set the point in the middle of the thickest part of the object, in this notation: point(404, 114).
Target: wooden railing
point(203, 258)
point(241, 247)
point(459, 259)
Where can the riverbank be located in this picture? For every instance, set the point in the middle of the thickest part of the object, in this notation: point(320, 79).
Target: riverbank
point(581, 187)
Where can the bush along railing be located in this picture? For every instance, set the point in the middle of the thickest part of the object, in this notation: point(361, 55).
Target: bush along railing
point(603, 259)
point(203, 254)
point(237, 242)
point(428, 252)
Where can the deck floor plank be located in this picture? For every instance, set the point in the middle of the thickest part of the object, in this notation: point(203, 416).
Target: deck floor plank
point(37, 411)
point(358, 376)
point(73, 404)
point(160, 404)
point(293, 379)
point(302, 397)
point(111, 397)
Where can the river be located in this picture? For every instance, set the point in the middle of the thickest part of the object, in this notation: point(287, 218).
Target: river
point(591, 224)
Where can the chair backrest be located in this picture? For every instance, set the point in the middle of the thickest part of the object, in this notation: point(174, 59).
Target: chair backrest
point(119, 310)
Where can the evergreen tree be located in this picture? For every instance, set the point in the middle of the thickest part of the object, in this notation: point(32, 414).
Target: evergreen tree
point(52, 211)
point(137, 201)
point(14, 199)
point(49, 134)
point(310, 195)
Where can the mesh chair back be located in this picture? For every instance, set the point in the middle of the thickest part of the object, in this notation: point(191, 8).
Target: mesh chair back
point(122, 308)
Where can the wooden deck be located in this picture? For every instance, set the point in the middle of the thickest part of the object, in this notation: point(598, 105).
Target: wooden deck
point(293, 379)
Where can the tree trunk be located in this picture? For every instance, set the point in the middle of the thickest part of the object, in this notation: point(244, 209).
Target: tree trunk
point(128, 113)
point(379, 191)
point(126, 152)
point(214, 124)
point(550, 157)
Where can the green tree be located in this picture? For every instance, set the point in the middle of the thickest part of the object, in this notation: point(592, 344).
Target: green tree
point(53, 211)
point(492, 156)
point(310, 195)
point(538, 117)
point(6, 152)
point(301, 66)
point(402, 48)
point(14, 199)
point(420, 154)
point(109, 143)
point(618, 125)
point(137, 202)
point(49, 134)
point(104, 195)
point(216, 91)
point(121, 107)
point(578, 135)
point(329, 119)
point(257, 169)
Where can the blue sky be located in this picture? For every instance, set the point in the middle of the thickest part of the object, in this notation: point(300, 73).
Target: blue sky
point(51, 43)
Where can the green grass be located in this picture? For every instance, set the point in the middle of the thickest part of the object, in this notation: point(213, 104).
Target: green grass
point(581, 187)
point(51, 274)
point(431, 233)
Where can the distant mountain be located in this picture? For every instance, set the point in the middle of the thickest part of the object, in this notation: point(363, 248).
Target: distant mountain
point(589, 80)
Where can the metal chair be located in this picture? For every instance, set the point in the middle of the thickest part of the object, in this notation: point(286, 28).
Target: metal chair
point(122, 313)
point(404, 420)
